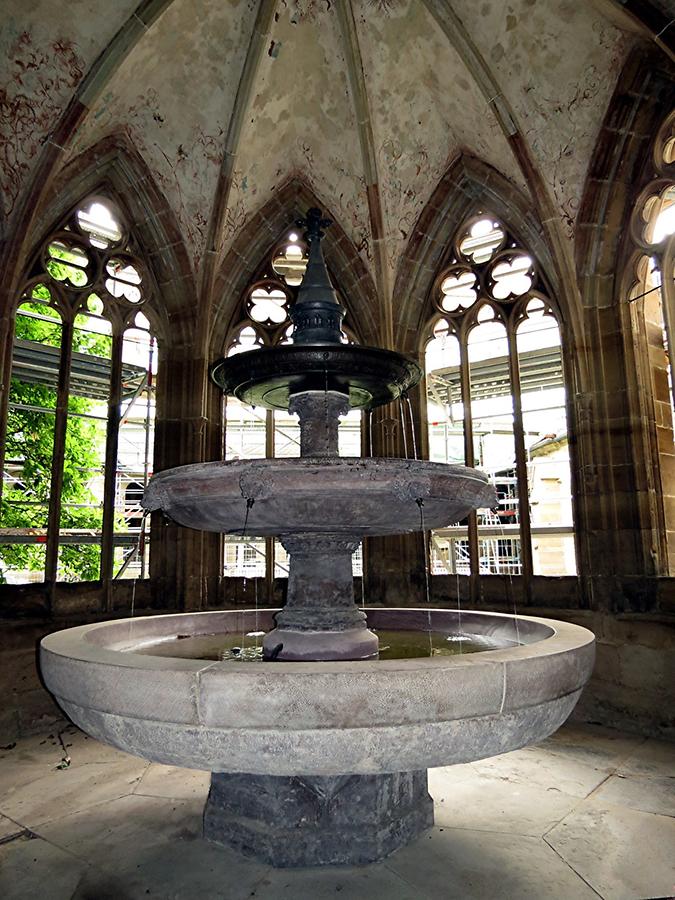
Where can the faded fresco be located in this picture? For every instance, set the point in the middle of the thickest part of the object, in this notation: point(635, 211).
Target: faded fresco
point(174, 96)
point(43, 58)
point(555, 62)
point(302, 120)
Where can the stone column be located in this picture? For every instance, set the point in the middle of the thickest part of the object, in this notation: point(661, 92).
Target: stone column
point(320, 619)
point(319, 413)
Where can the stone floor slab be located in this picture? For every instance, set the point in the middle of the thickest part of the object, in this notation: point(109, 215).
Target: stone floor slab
point(31, 867)
point(9, 829)
point(374, 882)
point(175, 870)
point(651, 758)
point(593, 745)
point(480, 865)
point(64, 791)
point(622, 853)
point(537, 767)
point(174, 783)
point(496, 804)
point(649, 794)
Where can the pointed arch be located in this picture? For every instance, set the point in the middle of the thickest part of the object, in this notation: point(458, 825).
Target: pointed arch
point(257, 239)
point(620, 168)
point(468, 185)
point(619, 471)
point(114, 166)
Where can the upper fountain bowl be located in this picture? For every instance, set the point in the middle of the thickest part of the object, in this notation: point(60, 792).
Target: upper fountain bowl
point(338, 495)
point(368, 376)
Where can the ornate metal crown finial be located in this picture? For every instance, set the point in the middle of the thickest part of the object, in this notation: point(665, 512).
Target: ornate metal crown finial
point(313, 223)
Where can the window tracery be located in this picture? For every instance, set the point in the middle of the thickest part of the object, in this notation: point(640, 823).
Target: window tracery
point(80, 422)
point(496, 400)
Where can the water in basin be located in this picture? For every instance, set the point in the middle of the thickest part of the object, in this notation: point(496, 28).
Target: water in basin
point(248, 647)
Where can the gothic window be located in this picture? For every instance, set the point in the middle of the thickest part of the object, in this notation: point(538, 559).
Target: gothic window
point(80, 418)
point(496, 401)
point(263, 321)
point(651, 296)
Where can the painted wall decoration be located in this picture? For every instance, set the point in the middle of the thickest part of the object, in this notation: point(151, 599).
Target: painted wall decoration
point(555, 63)
point(43, 58)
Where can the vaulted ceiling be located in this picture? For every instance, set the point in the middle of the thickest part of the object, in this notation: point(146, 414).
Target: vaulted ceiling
point(368, 101)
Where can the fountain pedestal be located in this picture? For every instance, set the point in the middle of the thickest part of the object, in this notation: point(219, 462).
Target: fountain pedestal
point(317, 821)
point(320, 619)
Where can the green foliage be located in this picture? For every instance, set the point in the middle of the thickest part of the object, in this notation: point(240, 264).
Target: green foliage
point(30, 441)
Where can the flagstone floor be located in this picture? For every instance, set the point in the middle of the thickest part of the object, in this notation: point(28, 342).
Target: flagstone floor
point(588, 813)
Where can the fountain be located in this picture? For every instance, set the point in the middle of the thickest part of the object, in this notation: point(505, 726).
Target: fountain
point(318, 749)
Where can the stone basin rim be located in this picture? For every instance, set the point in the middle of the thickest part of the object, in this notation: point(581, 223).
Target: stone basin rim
point(83, 638)
point(317, 718)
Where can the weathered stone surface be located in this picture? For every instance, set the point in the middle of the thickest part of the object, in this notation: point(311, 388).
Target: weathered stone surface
point(323, 718)
point(302, 821)
point(355, 496)
point(320, 620)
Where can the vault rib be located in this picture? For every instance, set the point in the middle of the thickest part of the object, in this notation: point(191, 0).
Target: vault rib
point(254, 56)
point(345, 14)
point(453, 28)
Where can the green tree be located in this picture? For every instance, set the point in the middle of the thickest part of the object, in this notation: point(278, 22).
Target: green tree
point(30, 447)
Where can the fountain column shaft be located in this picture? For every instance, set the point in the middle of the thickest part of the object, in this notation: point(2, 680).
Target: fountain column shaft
point(319, 413)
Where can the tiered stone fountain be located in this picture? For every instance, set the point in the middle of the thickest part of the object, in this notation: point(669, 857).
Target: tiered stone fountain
point(319, 751)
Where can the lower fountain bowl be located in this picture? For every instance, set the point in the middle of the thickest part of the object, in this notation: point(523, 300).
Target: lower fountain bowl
point(318, 718)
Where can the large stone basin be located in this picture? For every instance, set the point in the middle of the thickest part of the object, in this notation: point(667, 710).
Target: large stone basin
point(323, 495)
point(317, 763)
point(320, 718)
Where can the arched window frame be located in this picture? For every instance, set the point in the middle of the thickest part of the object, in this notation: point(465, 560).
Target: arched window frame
point(653, 328)
point(122, 313)
point(509, 312)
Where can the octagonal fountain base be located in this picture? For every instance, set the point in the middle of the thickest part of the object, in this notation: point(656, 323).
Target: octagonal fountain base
point(319, 821)
point(336, 752)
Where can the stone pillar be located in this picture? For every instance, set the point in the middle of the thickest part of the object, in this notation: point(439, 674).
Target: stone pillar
point(317, 821)
point(320, 619)
point(319, 413)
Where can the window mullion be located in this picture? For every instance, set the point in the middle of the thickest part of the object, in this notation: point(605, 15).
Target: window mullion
point(110, 477)
point(60, 428)
point(269, 541)
point(465, 382)
point(521, 466)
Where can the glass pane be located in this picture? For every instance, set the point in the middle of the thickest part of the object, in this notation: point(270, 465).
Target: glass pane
point(494, 443)
point(79, 562)
point(349, 434)
point(134, 453)
point(445, 411)
point(280, 560)
point(450, 553)
point(22, 563)
point(84, 465)
point(554, 554)
point(244, 558)
point(546, 442)
point(245, 429)
point(286, 434)
point(30, 440)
